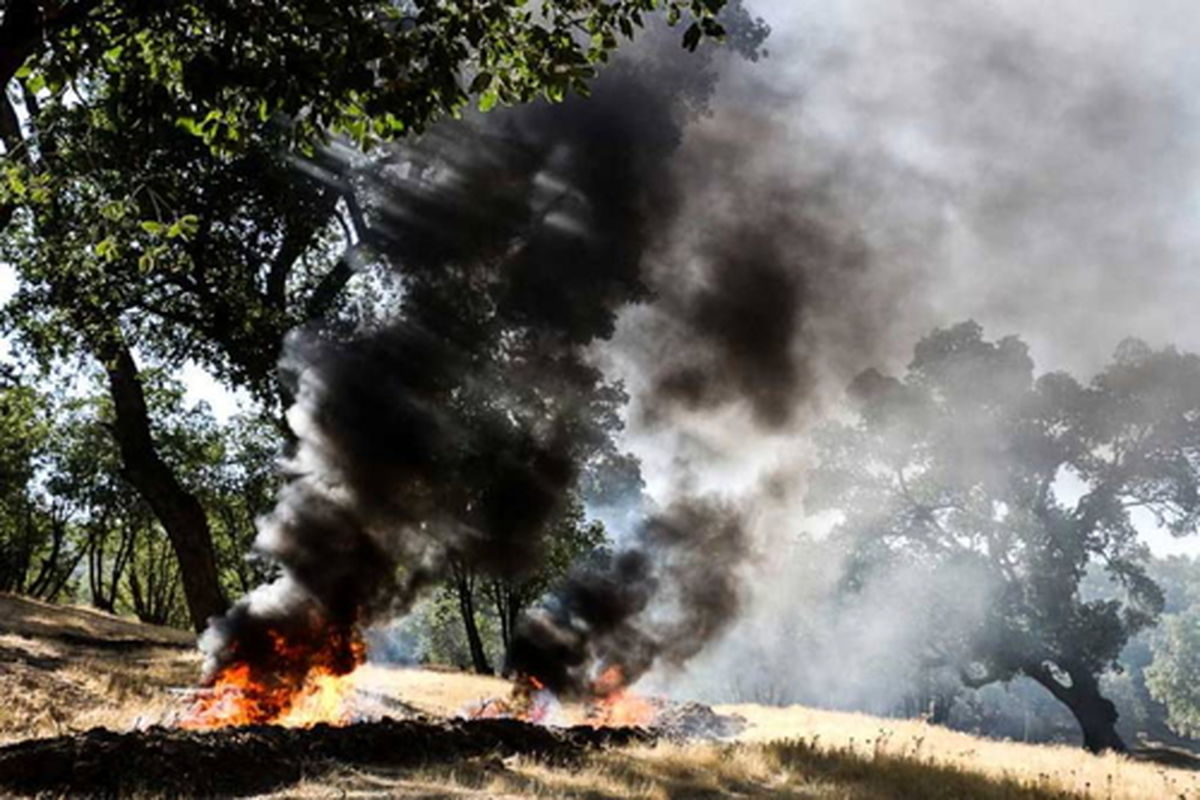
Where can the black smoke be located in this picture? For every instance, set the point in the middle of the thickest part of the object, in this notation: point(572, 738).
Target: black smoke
point(684, 560)
point(455, 429)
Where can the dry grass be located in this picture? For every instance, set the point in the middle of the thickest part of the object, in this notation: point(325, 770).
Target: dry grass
point(783, 770)
point(1055, 767)
point(33, 618)
point(64, 670)
point(784, 753)
point(439, 693)
point(790, 768)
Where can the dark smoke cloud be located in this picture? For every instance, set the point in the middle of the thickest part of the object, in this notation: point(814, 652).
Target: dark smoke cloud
point(375, 503)
point(455, 430)
point(685, 560)
point(737, 335)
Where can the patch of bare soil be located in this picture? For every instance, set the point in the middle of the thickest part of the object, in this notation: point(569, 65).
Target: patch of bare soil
point(255, 759)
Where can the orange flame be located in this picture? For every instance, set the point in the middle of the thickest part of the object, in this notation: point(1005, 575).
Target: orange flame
point(529, 701)
point(295, 685)
point(616, 705)
point(612, 704)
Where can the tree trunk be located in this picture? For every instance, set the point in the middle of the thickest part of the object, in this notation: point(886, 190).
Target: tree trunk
point(20, 33)
point(177, 509)
point(1096, 715)
point(508, 608)
point(466, 607)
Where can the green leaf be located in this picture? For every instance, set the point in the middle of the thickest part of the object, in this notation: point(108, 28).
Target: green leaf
point(114, 210)
point(107, 248)
point(691, 37)
point(151, 227)
point(16, 183)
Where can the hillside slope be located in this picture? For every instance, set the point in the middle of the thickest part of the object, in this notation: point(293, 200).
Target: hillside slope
point(65, 669)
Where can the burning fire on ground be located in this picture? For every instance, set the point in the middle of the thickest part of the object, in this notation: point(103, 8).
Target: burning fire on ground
point(290, 681)
point(612, 704)
point(301, 681)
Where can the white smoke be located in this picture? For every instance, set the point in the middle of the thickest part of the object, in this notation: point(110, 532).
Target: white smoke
point(1031, 166)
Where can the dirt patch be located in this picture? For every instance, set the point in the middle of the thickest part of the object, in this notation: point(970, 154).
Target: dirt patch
point(255, 759)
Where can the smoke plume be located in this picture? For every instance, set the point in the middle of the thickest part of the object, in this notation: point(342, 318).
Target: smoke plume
point(729, 241)
point(453, 431)
point(1030, 168)
point(685, 560)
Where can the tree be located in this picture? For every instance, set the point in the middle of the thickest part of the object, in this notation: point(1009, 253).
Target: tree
point(967, 463)
point(373, 68)
point(1171, 676)
point(145, 203)
point(127, 564)
point(570, 539)
point(37, 554)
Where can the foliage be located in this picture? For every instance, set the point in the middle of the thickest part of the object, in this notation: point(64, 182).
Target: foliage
point(966, 463)
point(366, 70)
point(1172, 675)
point(126, 214)
point(35, 556)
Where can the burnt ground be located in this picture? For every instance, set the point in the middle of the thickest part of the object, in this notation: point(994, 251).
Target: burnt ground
point(256, 759)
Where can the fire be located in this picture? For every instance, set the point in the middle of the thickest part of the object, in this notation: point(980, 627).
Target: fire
point(616, 706)
point(530, 701)
point(292, 682)
point(613, 704)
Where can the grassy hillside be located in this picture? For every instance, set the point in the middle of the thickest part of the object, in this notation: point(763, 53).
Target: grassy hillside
point(67, 669)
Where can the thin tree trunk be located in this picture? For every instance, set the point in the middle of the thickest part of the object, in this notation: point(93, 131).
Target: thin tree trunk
point(507, 598)
point(1096, 714)
point(177, 509)
point(466, 607)
point(46, 573)
point(498, 597)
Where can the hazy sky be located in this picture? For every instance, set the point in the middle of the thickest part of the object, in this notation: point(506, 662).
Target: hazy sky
point(1032, 166)
point(1057, 146)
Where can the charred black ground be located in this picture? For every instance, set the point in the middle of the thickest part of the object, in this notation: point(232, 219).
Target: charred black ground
point(256, 759)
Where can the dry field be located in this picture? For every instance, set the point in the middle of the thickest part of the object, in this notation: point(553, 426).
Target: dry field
point(68, 669)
